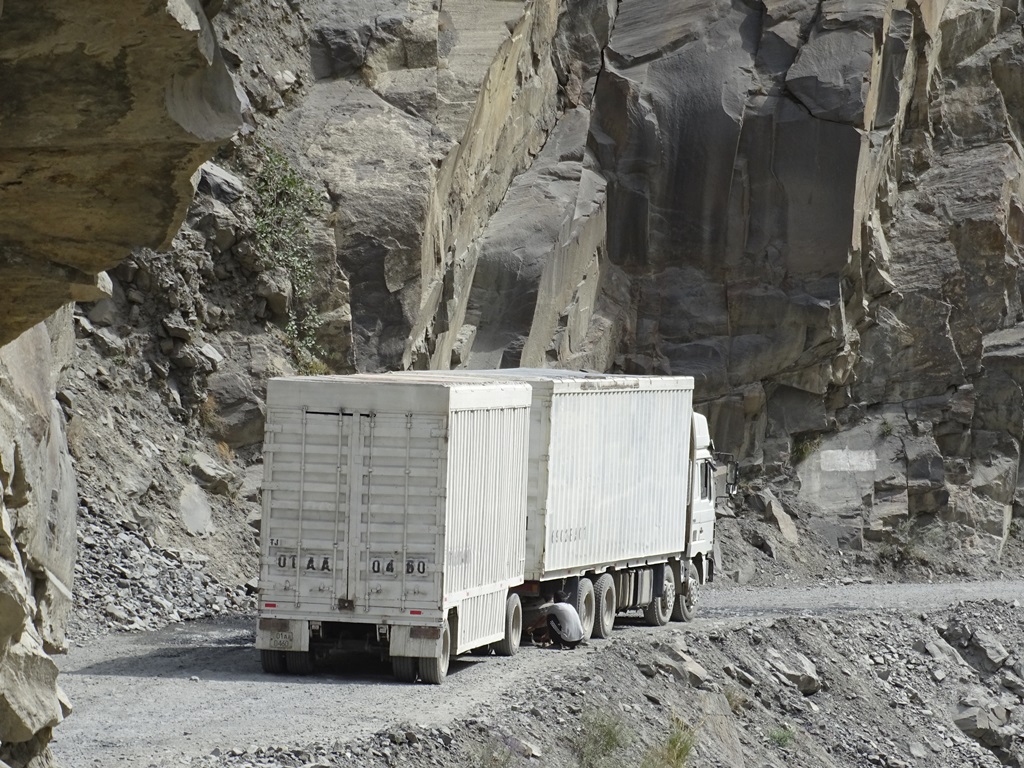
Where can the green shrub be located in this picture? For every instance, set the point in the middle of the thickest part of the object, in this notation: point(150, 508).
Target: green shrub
point(781, 737)
point(676, 749)
point(283, 205)
point(601, 735)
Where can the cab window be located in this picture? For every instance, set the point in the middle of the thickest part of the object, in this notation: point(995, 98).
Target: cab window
point(706, 479)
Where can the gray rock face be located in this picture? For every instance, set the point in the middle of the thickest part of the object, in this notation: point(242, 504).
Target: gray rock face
point(815, 211)
point(37, 535)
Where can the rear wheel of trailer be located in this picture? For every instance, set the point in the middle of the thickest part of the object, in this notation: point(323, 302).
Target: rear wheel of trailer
point(582, 598)
point(272, 662)
point(606, 605)
point(509, 645)
point(434, 669)
point(404, 668)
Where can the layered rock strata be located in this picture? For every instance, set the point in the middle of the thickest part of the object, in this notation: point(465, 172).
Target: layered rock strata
point(106, 110)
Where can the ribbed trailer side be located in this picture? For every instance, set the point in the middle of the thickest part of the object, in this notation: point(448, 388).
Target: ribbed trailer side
point(618, 472)
point(486, 517)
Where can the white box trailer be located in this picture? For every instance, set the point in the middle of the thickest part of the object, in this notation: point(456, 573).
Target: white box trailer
point(622, 492)
point(394, 515)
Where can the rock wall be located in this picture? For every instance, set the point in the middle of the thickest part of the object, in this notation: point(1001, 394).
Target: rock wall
point(813, 208)
point(106, 111)
point(37, 538)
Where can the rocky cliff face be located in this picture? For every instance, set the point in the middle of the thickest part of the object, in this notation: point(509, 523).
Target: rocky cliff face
point(813, 208)
point(106, 110)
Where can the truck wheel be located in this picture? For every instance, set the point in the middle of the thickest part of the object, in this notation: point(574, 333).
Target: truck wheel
point(583, 599)
point(404, 668)
point(434, 669)
point(299, 662)
point(659, 612)
point(685, 608)
point(509, 644)
point(272, 662)
point(604, 600)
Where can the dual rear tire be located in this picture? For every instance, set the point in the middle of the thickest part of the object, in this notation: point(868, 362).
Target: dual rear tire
point(292, 662)
point(606, 605)
point(582, 598)
point(659, 612)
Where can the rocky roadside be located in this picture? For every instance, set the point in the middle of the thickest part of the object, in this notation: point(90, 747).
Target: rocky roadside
point(125, 581)
point(894, 689)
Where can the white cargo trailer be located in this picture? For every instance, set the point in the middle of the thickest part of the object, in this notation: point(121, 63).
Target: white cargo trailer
point(394, 516)
point(622, 493)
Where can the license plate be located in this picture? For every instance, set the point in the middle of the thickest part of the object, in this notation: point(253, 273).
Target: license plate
point(282, 640)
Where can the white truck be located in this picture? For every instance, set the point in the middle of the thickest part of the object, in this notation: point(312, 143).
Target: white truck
point(423, 512)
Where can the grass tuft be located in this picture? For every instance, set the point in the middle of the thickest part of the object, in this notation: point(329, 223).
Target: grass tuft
point(601, 735)
point(675, 751)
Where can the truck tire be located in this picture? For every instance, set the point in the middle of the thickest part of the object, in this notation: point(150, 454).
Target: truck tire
point(299, 662)
point(404, 668)
point(605, 604)
point(272, 662)
point(434, 669)
point(659, 612)
point(509, 644)
point(583, 598)
point(685, 608)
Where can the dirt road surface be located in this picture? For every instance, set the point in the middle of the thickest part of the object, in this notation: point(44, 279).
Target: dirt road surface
point(162, 698)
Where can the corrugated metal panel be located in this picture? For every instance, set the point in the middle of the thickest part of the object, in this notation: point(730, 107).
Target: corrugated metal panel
point(618, 476)
point(609, 466)
point(357, 503)
point(305, 510)
point(481, 620)
point(487, 500)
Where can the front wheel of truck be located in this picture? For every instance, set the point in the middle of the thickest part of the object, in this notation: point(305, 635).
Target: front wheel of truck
point(685, 608)
point(659, 611)
point(434, 669)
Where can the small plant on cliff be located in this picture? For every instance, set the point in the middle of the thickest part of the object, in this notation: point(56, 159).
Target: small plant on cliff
point(676, 749)
point(283, 204)
point(781, 737)
point(803, 446)
point(601, 735)
point(901, 550)
point(885, 428)
point(738, 700)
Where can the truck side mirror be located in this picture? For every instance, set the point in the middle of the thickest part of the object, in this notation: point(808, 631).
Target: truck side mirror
point(731, 478)
point(731, 474)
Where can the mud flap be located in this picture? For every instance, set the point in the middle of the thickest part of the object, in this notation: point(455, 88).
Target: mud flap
point(716, 562)
point(418, 642)
point(282, 635)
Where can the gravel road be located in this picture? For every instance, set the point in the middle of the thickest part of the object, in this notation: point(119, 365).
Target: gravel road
point(162, 698)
